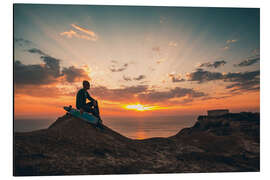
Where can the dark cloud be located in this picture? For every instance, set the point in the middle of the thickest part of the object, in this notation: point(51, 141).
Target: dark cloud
point(163, 96)
point(47, 73)
point(252, 85)
point(52, 65)
point(35, 74)
point(22, 42)
point(201, 76)
point(140, 77)
point(176, 78)
point(243, 81)
point(113, 61)
point(113, 68)
point(141, 93)
point(240, 81)
point(241, 76)
point(248, 62)
point(37, 51)
point(126, 78)
point(120, 94)
point(40, 79)
point(215, 64)
point(143, 82)
point(73, 74)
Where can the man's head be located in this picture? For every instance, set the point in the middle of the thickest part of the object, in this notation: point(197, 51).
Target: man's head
point(86, 85)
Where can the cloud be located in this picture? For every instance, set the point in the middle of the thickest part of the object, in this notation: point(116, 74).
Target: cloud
point(126, 78)
point(82, 33)
point(22, 42)
point(251, 85)
point(176, 78)
point(165, 96)
point(36, 74)
point(41, 80)
point(113, 68)
point(140, 77)
point(201, 76)
point(241, 76)
point(69, 34)
point(119, 94)
point(240, 81)
point(52, 64)
point(215, 64)
point(143, 82)
point(36, 51)
point(47, 72)
point(231, 41)
point(143, 94)
point(73, 74)
point(86, 31)
point(248, 62)
point(243, 81)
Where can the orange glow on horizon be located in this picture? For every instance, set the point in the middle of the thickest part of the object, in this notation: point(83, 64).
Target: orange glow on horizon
point(140, 107)
point(140, 135)
point(29, 106)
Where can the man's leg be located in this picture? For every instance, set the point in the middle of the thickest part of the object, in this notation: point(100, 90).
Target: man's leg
point(95, 111)
point(87, 108)
point(93, 108)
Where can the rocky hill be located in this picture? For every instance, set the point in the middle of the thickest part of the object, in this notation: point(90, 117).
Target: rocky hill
point(70, 147)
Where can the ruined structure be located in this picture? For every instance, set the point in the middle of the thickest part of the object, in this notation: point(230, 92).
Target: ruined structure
point(217, 112)
point(213, 114)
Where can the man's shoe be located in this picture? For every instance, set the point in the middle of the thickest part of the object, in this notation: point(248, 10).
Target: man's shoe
point(100, 126)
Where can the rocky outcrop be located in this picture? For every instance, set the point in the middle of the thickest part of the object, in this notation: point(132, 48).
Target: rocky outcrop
point(71, 146)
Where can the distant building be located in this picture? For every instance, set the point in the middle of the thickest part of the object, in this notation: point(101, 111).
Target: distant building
point(217, 112)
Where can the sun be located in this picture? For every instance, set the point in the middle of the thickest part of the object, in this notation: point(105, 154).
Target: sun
point(140, 107)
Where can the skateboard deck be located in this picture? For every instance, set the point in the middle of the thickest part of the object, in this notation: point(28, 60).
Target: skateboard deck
point(84, 116)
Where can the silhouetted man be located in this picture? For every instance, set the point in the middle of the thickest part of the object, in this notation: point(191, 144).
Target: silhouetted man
point(90, 107)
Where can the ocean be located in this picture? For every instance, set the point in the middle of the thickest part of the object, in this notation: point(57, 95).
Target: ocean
point(132, 127)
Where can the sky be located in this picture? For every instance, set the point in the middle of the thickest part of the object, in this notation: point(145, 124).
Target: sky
point(140, 61)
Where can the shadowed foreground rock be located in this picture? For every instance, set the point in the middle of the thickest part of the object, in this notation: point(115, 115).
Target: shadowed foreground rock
point(72, 147)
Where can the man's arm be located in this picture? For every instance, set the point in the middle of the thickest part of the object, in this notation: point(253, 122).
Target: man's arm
point(90, 98)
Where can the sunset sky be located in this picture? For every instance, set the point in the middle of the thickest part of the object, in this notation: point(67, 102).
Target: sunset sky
point(140, 61)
